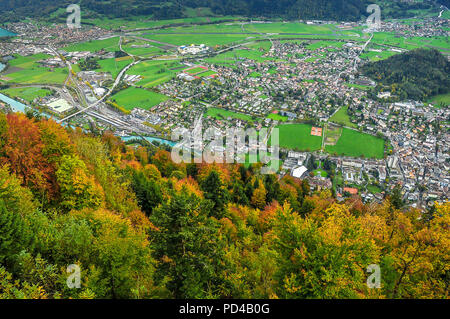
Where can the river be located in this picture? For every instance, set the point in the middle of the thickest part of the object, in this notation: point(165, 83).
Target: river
point(16, 106)
point(151, 139)
point(6, 33)
point(20, 107)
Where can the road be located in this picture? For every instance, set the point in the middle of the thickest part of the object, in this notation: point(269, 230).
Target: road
point(117, 81)
point(166, 46)
point(362, 50)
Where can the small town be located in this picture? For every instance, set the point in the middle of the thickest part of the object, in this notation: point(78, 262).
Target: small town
point(225, 158)
point(271, 83)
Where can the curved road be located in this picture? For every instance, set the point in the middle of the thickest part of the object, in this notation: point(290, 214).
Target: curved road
point(118, 79)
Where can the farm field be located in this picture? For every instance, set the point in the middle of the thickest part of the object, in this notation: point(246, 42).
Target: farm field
point(356, 144)
point(253, 52)
point(208, 39)
point(387, 38)
point(27, 61)
point(298, 136)
point(143, 48)
point(341, 117)
point(247, 28)
point(114, 66)
point(38, 75)
point(289, 27)
point(138, 98)
point(156, 72)
point(143, 22)
point(377, 56)
point(111, 45)
point(28, 94)
point(224, 114)
point(325, 44)
point(27, 70)
point(224, 28)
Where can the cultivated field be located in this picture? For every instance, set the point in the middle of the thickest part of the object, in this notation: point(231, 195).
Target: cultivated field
point(156, 72)
point(28, 94)
point(138, 98)
point(114, 66)
point(27, 70)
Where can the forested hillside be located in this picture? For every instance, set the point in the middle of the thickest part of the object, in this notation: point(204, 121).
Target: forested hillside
point(417, 74)
point(351, 10)
point(140, 226)
point(15, 10)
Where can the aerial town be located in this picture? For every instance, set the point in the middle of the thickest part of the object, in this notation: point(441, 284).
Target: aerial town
point(265, 81)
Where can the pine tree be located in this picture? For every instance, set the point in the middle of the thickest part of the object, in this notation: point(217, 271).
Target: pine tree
point(147, 191)
point(215, 191)
point(186, 244)
point(11, 233)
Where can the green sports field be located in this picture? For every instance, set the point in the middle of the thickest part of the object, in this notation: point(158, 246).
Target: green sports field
point(196, 70)
point(138, 98)
point(356, 144)
point(298, 136)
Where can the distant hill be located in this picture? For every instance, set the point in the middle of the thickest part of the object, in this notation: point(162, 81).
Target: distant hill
point(416, 74)
point(340, 10)
point(348, 10)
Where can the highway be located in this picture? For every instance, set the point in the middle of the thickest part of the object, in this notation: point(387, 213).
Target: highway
point(116, 82)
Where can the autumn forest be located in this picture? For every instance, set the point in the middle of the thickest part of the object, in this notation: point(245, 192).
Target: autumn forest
point(140, 226)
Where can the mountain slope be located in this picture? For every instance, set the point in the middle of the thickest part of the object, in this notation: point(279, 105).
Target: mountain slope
point(15, 10)
point(416, 74)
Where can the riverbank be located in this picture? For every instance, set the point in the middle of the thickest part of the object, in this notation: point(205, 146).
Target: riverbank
point(150, 139)
point(15, 105)
point(6, 33)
